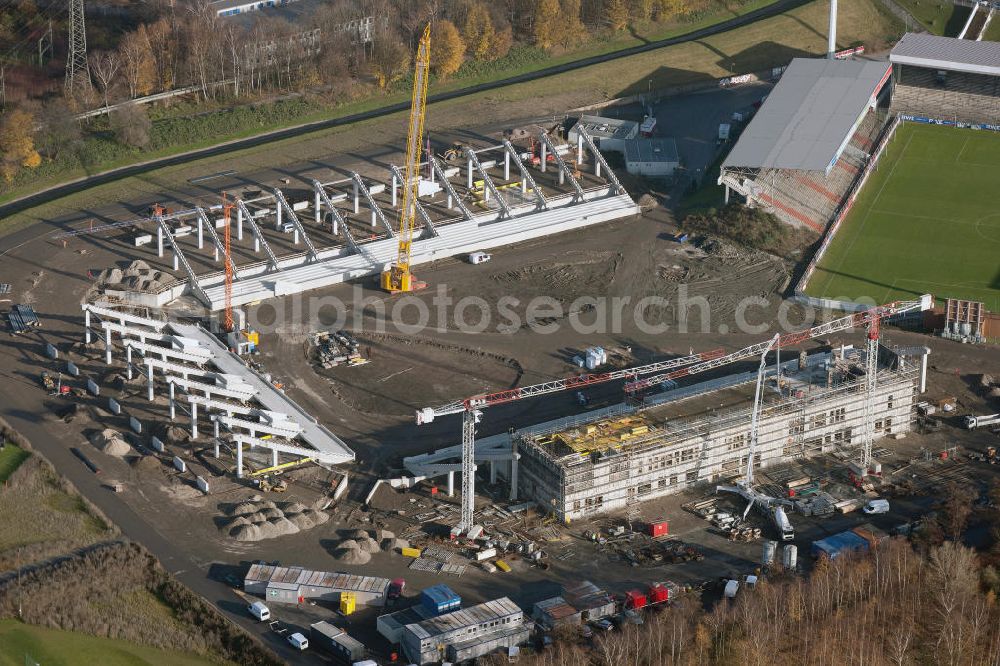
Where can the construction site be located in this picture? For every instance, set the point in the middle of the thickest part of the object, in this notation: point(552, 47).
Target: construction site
point(195, 379)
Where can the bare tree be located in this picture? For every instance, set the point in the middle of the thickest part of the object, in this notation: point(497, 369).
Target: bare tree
point(104, 67)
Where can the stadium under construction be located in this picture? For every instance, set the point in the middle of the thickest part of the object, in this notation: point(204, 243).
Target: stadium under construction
point(699, 433)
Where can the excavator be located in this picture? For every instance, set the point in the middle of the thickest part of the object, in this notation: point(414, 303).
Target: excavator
point(398, 278)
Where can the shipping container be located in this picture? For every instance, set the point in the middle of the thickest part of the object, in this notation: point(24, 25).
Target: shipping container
point(658, 593)
point(502, 566)
point(440, 599)
point(348, 602)
point(635, 599)
point(486, 554)
point(410, 552)
point(659, 528)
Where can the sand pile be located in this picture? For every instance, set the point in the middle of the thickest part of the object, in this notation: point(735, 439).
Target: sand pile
point(110, 442)
point(369, 545)
point(350, 552)
point(256, 520)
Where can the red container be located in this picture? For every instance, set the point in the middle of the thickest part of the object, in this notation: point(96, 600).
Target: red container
point(658, 594)
point(658, 529)
point(634, 600)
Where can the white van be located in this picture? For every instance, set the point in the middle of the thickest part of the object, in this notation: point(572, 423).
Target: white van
point(479, 257)
point(298, 641)
point(876, 506)
point(259, 611)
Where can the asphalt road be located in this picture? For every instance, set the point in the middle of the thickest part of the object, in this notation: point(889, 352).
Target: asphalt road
point(80, 185)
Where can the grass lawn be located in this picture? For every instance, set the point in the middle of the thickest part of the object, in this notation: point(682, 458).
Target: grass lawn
point(22, 644)
point(10, 459)
point(940, 17)
point(927, 221)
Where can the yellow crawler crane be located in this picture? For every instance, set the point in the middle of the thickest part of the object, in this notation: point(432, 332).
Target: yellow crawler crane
point(398, 277)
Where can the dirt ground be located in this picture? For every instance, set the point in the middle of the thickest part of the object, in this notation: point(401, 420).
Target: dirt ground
point(371, 406)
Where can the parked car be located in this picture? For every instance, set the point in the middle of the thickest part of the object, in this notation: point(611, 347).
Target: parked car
point(603, 625)
point(396, 588)
point(298, 641)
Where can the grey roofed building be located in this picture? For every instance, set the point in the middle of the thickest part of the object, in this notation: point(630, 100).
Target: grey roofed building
point(467, 633)
point(948, 53)
point(808, 117)
point(651, 157)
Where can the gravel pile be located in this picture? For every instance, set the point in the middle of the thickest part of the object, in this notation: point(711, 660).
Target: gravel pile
point(110, 442)
point(257, 520)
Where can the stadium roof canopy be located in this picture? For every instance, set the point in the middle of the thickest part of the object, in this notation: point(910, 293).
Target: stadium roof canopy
point(809, 116)
point(948, 53)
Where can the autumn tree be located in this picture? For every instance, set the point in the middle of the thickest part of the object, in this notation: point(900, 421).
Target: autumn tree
point(17, 144)
point(956, 511)
point(573, 29)
point(138, 62)
point(478, 32)
point(616, 15)
point(389, 60)
point(664, 10)
point(60, 129)
point(447, 49)
point(642, 10)
point(545, 28)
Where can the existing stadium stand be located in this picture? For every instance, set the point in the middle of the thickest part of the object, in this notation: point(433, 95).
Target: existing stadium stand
point(809, 141)
point(947, 79)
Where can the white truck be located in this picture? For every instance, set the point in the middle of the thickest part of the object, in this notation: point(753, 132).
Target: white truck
point(876, 506)
point(479, 257)
point(972, 422)
point(784, 525)
point(259, 611)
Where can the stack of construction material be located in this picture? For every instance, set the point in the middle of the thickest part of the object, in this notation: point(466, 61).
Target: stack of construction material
point(819, 504)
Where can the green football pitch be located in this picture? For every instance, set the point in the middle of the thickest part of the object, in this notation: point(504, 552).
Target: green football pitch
point(927, 221)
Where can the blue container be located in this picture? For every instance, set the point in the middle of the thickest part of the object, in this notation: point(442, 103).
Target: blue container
point(843, 542)
point(440, 599)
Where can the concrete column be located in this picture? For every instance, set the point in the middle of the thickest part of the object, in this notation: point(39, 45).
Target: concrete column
point(239, 224)
point(356, 201)
point(173, 402)
point(831, 34)
point(524, 185)
point(513, 470)
point(562, 176)
point(373, 217)
point(545, 155)
point(597, 167)
point(449, 202)
point(295, 236)
point(277, 214)
point(201, 233)
point(506, 165)
point(239, 460)
point(451, 484)
point(727, 193)
point(86, 326)
point(469, 174)
point(194, 420)
point(274, 457)
point(107, 346)
point(150, 385)
point(317, 211)
point(333, 224)
point(128, 361)
point(923, 370)
point(579, 149)
point(216, 442)
point(395, 186)
point(493, 471)
point(256, 244)
point(215, 422)
point(216, 253)
point(177, 264)
point(159, 241)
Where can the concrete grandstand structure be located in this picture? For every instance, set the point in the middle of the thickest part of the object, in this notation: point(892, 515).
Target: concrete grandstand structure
point(345, 229)
point(808, 142)
point(947, 79)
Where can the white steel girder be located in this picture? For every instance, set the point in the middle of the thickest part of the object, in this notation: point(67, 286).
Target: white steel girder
point(219, 245)
point(563, 169)
point(450, 189)
point(525, 174)
point(375, 208)
point(488, 182)
point(599, 159)
point(416, 202)
point(179, 254)
point(255, 230)
point(282, 203)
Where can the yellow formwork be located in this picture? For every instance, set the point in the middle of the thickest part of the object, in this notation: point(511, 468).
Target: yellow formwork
point(602, 435)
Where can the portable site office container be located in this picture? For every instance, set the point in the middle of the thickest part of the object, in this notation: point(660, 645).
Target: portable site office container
point(555, 612)
point(335, 641)
point(440, 599)
point(592, 602)
point(390, 626)
point(472, 631)
point(295, 584)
